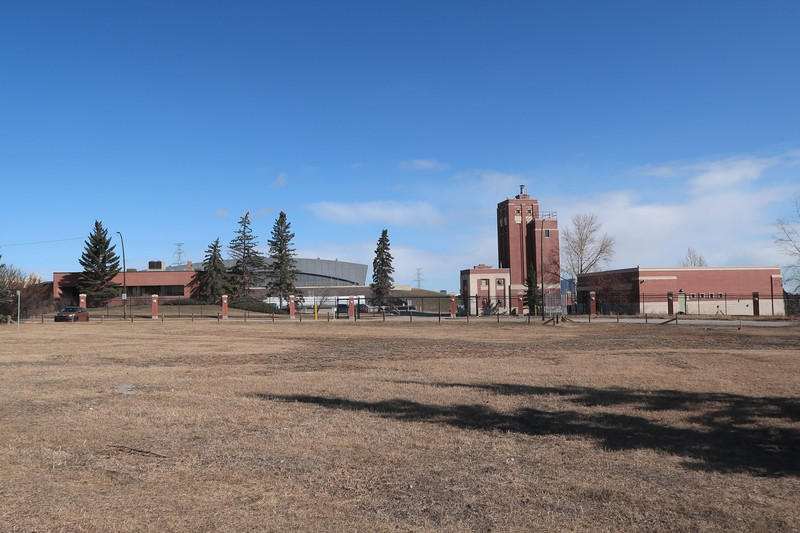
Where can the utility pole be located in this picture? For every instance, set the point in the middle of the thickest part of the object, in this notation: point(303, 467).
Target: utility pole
point(124, 279)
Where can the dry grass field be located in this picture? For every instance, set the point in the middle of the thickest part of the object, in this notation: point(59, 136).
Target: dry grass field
point(316, 426)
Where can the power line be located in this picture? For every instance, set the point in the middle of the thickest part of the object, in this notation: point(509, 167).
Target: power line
point(40, 242)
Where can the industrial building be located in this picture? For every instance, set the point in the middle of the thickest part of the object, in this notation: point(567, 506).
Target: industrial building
point(527, 250)
point(726, 291)
point(181, 281)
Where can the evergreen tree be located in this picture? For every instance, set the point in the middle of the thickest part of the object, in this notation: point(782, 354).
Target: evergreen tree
point(214, 280)
point(249, 262)
point(100, 265)
point(382, 270)
point(282, 270)
point(533, 298)
point(5, 293)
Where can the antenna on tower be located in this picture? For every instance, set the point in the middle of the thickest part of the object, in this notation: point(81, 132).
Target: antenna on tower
point(179, 253)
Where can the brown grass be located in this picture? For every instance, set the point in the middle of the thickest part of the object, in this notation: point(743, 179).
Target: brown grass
point(374, 426)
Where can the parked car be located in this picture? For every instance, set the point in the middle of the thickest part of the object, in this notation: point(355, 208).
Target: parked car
point(362, 308)
point(342, 310)
point(72, 314)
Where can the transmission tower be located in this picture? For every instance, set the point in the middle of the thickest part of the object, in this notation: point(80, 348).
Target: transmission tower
point(179, 253)
point(419, 279)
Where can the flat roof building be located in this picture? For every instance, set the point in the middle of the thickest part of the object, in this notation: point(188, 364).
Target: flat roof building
point(748, 291)
point(182, 282)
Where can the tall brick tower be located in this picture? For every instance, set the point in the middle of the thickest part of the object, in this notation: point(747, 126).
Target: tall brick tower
point(528, 237)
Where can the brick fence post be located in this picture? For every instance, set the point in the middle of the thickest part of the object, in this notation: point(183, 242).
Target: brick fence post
point(82, 300)
point(291, 306)
point(592, 303)
point(452, 306)
point(154, 306)
point(225, 306)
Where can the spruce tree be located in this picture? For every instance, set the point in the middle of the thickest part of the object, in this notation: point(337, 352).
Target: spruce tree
point(100, 265)
point(214, 280)
point(382, 271)
point(249, 263)
point(282, 271)
point(532, 297)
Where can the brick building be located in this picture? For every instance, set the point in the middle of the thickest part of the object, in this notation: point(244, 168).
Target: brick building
point(484, 289)
point(182, 281)
point(750, 291)
point(527, 238)
point(140, 284)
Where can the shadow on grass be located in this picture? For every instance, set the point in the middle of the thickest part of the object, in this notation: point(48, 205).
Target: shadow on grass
point(726, 433)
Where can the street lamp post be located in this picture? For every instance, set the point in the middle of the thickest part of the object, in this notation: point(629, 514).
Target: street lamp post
point(124, 280)
point(541, 264)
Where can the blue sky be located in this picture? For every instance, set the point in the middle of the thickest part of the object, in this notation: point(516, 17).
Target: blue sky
point(676, 123)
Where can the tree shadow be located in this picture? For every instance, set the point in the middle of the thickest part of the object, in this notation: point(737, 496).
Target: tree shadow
point(725, 433)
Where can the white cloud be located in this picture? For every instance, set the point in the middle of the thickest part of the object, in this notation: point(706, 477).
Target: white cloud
point(491, 185)
point(712, 175)
point(264, 211)
point(383, 212)
point(718, 175)
point(662, 171)
point(722, 208)
point(280, 180)
point(423, 164)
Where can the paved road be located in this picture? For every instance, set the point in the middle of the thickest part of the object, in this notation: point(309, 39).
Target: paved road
point(698, 322)
point(682, 321)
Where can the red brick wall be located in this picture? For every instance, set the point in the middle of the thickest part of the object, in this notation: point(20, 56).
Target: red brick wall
point(520, 241)
point(64, 281)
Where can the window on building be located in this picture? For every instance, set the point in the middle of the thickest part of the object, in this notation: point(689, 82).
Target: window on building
point(711, 295)
point(500, 281)
point(484, 283)
point(692, 296)
point(720, 295)
point(702, 295)
point(547, 234)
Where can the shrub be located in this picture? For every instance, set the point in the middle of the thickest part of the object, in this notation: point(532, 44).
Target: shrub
point(182, 301)
point(256, 306)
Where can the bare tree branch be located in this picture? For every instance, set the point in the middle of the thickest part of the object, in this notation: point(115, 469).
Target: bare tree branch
point(788, 239)
point(583, 249)
point(693, 259)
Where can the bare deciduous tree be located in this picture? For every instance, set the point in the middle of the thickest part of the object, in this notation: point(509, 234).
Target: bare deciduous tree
point(788, 238)
point(693, 259)
point(583, 248)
